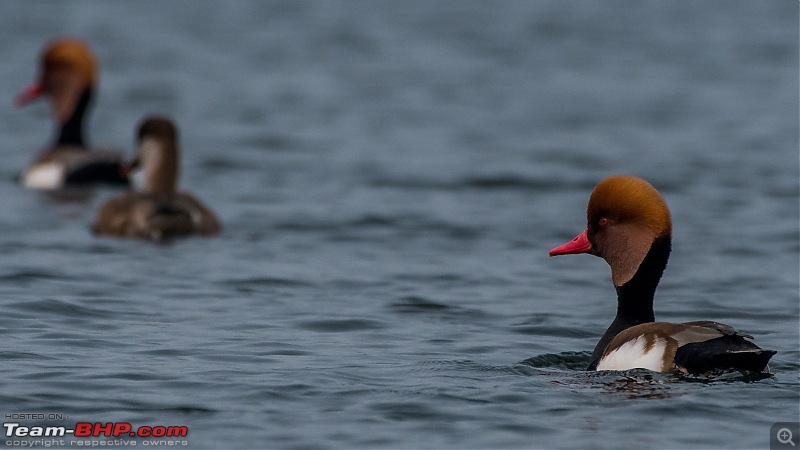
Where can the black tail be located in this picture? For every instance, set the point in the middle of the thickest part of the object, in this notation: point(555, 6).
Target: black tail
point(749, 360)
point(724, 353)
point(108, 172)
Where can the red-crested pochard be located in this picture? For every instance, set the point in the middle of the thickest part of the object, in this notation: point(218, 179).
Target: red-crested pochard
point(159, 211)
point(68, 76)
point(629, 225)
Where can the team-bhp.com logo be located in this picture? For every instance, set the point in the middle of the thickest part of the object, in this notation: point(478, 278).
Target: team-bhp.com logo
point(115, 430)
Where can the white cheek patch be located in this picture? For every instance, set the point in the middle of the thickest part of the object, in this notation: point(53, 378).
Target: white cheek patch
point(151, 156)
point(44, 176)
point(632, 355)
point(136, 178)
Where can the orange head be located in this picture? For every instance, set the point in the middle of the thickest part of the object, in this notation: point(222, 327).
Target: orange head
point(67, 67)
point(624, 217)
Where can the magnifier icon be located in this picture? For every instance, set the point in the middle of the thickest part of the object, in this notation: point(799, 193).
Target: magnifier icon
point(785, 436)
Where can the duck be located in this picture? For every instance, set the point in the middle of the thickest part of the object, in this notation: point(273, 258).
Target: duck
point(158, 211)
point(629, 225)
point(68, 76)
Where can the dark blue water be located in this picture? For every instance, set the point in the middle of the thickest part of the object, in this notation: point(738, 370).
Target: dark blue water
point(390, 177)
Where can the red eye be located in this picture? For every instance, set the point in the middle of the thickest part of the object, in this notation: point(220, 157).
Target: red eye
point(603, 221)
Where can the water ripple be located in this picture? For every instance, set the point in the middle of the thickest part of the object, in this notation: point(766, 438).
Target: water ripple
point(63, 308)
point(340, 325)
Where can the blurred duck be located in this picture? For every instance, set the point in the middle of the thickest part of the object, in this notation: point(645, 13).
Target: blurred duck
point(68, 76)
point(629, 225)
point(159, 211)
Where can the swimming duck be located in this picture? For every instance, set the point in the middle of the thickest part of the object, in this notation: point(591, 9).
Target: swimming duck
point(67, 76)
point(159, 211)
point(630, 226)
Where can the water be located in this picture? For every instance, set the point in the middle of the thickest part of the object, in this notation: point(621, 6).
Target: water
point(390, 176)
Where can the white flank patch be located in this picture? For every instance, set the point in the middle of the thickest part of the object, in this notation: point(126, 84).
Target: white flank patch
point(631, 355)
point(44, 176)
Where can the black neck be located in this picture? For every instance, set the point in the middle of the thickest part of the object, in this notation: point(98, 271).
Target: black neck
point(635, 298)
point(71, 132)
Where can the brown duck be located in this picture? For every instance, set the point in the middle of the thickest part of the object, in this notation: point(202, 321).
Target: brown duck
point(629, 225)
point(68, 76)
point(159, 211)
